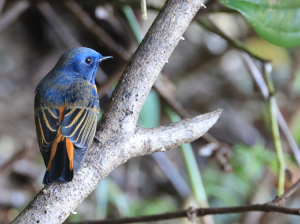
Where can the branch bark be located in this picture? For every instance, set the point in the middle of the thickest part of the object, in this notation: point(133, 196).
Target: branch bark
point(117, 128)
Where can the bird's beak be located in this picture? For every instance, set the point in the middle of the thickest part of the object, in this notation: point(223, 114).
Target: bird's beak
point(104, 58)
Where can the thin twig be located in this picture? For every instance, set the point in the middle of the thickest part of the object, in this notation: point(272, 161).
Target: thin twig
point(200, 212)
point(267, 69)
point(265, 93)
point(256, 74)
point(13, 14)
point(210, 26)
point(138, 36)
point(172, 174)
point(93, 27)
point(160, 86)
point(2, 3)
point(100, 33)
point(57, 25)
point(119, 3)
point(288, 135)
point(110, 81)
point(280, 200)
point(272, 206)
point(262, 193)
point(59, 28)
point(165, 88)
point(144, 9)
point(6, 168)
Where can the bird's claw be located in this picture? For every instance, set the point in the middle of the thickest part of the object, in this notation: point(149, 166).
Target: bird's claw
point(98, 140)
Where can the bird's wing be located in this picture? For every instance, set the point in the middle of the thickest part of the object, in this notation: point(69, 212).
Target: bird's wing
point(46, 120)
point(79, 126)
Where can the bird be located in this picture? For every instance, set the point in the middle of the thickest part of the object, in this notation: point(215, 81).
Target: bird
point(66, 111)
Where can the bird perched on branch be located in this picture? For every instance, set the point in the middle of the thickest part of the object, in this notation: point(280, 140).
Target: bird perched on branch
point(66, 111)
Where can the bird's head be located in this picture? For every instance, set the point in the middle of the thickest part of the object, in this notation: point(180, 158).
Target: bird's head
point(82, 62)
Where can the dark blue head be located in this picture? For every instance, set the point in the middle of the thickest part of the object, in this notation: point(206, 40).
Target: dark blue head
point(81, 62)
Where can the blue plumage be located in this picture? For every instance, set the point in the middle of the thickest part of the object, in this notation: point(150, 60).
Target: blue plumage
point(70, 70)
point(66, 111)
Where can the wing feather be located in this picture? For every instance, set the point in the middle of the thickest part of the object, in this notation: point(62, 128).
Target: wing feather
point(79, 126)
point(46, 128)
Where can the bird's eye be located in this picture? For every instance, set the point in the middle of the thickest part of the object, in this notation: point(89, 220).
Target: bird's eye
point(88, 60)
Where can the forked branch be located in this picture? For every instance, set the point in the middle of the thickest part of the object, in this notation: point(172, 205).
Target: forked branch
point(117, 129)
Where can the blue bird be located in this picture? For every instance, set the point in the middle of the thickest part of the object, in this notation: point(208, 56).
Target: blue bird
point(66, 111)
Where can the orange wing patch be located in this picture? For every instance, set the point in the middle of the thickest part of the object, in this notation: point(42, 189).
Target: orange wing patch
point(70, 151)
point(59, 137)
point(61, 112)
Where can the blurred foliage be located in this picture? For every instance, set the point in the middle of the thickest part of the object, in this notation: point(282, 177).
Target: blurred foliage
point(154, 205)
point(150, 114)
point(248, 163)
point(235, 188)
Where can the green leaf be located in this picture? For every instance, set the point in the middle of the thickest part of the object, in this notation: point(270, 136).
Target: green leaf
point(277, 21)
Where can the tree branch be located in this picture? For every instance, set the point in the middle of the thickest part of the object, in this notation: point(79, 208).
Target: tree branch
point(161, 139)
point(117, 130)
point(200, 212)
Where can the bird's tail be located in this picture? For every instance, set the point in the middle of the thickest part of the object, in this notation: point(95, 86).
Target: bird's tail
point(61, 163)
